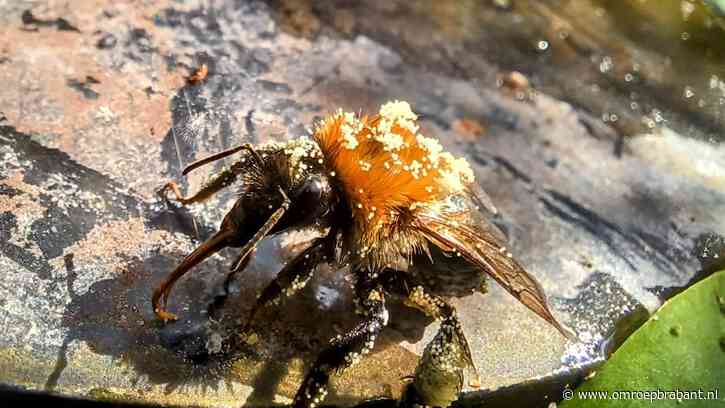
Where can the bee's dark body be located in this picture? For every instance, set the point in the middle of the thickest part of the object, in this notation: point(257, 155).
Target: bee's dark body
point(401, 230)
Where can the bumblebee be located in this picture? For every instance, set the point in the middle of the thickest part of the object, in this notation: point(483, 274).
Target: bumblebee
point(404, 216)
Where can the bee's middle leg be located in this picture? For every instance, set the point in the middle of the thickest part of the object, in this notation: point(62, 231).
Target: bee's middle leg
point(344, 350)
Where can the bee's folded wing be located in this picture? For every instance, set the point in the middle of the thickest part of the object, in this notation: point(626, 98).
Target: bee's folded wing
point(480, 245)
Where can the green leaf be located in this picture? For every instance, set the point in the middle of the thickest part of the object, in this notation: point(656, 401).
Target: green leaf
point(681, 347)
point(716, 6)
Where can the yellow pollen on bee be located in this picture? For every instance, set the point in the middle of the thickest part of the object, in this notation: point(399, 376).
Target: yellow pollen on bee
point(383, 162)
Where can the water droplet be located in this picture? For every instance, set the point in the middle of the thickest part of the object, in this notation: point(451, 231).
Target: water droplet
point(685, 36)
point(606, 65)
point(714, 81)
point(658, 116)
point(689, 93)
point(701, 103)
point(609, 117)
point(628, 77)
point(634, 105)
point(543, 45)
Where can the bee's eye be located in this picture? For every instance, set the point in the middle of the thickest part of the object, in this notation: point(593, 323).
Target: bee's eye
point(311, 191)
point(312, 194)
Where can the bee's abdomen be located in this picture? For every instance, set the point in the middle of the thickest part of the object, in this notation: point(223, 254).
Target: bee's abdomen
point(447, 274)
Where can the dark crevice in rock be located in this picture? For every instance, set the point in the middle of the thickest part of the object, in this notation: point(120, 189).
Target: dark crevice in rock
point(571, 212)
point(30, 22)
point(62, 227)
point(21, 256)
point(276, 87)
point(512, 169)
point(84, 87)
point(139, 45)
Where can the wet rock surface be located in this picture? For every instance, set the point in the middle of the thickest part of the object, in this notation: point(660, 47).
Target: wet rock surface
point(97, 113)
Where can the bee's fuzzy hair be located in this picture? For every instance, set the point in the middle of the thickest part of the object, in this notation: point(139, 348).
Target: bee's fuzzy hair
point(386, 168)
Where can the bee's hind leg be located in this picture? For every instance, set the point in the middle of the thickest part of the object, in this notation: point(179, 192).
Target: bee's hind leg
point(344, 350)
point(438, 378)
point(448, 353)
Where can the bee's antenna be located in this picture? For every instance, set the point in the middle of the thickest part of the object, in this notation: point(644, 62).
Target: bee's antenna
point(222, 155)
point(210, 159)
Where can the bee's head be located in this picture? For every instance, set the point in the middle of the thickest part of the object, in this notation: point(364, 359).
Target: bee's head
point(311, 203)
point(291, 176)
point(283, 186)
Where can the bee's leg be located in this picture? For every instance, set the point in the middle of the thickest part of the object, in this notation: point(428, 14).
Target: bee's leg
point(212, 245)
point(246, 251)
point(216, 183)
point(220, 299)
point(344, 350)
point(416, 296)
point(438, 378)
point(292, 277)
point(260, 234)
point(206, 249)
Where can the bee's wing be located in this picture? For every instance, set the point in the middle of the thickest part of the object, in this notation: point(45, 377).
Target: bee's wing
point(480, 243)
point(480, 198)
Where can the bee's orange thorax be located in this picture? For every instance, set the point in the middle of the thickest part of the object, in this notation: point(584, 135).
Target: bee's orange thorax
point(385, 167)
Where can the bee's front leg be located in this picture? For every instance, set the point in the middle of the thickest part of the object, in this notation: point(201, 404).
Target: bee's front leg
point(344, 350)
point(214, 184)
